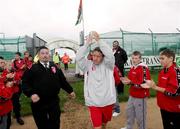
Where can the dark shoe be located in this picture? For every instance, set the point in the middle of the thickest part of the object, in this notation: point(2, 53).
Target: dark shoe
point(20, 121)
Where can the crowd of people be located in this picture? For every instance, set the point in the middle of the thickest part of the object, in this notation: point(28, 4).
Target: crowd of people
point(23, 75)
point(104, 79)
point(11, 87)
point(100, 70)
point(65, 59)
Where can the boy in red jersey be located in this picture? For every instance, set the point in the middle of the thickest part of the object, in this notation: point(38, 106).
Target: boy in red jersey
point(18, 66)
point(167, 97)
point(136, 108)
point(6, 91)
point(27, 60)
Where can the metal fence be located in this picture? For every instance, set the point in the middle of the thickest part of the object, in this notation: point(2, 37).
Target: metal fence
point(8, 46)
point(13, 44)
point(147, 43)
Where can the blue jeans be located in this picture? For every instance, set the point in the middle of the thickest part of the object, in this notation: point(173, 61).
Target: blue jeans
point(3, 122)
point(116, 107)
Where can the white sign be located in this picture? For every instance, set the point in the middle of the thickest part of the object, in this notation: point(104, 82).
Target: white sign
point(148, 60)
point(178, 61)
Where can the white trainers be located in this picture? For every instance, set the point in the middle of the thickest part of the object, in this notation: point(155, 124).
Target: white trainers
point(124, 128)
point(115, 114)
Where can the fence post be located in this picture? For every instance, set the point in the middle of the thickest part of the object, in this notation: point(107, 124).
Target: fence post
point(81, 35)
point(3, 34)
point(18, 44)
point(178, 43)
point(122, 38)
point(152, 40)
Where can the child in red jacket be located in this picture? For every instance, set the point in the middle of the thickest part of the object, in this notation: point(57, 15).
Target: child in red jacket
point(168, 98)
point(28, 61)
point(136, 108)
point(6, 73)
point(19, 67)
point(6, 92)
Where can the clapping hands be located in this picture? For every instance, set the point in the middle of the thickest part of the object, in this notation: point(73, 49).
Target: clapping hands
point(125, 80)
point(148, 84)
point(10, 75)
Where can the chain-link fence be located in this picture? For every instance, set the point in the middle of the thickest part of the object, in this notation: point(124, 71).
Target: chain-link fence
point(8, 46)
point(147, 43)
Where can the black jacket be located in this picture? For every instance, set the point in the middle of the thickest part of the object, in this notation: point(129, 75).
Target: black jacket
point(120, 58)
point(45, 83)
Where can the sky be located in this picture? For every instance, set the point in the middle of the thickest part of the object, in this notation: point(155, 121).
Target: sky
point(56, 18)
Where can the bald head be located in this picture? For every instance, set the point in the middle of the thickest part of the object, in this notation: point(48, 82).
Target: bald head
point(115, 45)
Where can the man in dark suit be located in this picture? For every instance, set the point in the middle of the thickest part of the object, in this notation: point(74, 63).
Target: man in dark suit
point(120, 60)
point(42, 84)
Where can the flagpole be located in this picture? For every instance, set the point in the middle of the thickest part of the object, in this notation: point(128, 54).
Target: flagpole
point(83, 24)
point(79, 19)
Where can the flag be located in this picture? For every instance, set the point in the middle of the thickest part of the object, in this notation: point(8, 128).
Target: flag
point(80, 15)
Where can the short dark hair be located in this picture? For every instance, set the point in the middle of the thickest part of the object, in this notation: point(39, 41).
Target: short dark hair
point(26, 52)
point(18, 53)
point(137, 53)
point(116, 42)
point(30, 55)
point(42, 47)
point(8, 80)
point(2, 58)
point(168, 53)
point(98, 50)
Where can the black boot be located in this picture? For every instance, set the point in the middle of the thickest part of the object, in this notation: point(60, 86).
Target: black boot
point(20, 121)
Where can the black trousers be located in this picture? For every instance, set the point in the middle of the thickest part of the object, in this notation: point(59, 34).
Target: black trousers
point(9, 120)
point(66, 66)
point(46, 115)
point(16, 103)
point(120, 87)
point(170, 119)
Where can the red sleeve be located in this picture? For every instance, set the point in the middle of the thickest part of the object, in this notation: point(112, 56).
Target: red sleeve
point(172, 83)
point(29, 64)
point(148, 74)
point(4, 73)
point(21, 64)
point(130, 75)
point(116, 76)
point(6, 92)
point(13, 65)
point(17, 77)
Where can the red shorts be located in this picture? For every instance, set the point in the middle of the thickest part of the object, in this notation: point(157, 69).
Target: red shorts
point(100, 115)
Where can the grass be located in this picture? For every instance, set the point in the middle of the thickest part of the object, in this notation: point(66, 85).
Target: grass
point(78, 89)
point(69, 65)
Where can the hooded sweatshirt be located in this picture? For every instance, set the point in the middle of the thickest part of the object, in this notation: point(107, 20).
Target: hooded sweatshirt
point(99, 85)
